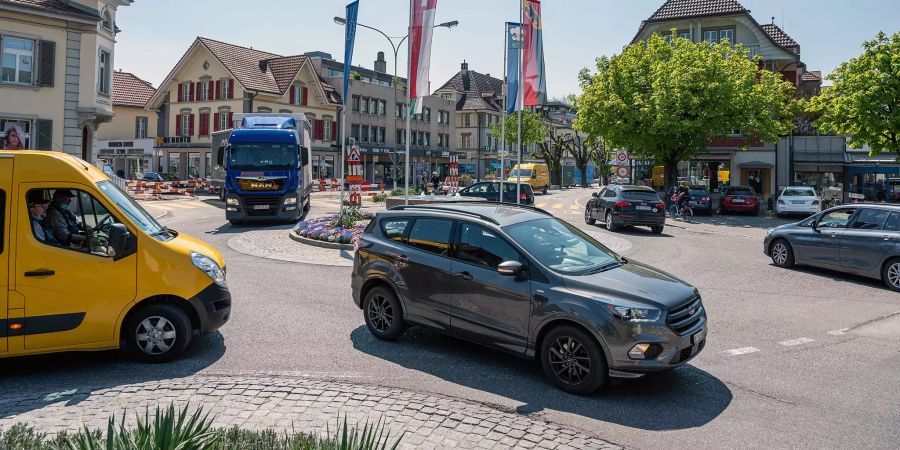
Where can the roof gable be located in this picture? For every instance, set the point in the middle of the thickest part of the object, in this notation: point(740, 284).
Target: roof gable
point(778, 36)
point(129, 90)
point(682, 9)
point(479, 91)
point(244, 65)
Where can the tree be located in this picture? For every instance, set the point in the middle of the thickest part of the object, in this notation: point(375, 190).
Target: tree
point(584, 149)
point(666, 101)
point(864, 100)
point(533, 130)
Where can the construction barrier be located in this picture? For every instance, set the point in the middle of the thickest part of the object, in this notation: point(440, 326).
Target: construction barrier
point(334, 184)
point(137, 188)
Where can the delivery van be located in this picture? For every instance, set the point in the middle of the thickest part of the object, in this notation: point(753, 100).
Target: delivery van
point(535, 174)
point(84, 267)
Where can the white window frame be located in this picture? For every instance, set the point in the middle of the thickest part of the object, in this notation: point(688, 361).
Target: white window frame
point(373, 106)
point(326, 132)
point(185, 125)
point(223, 119)
point(19, 53)
point(27, 131)
point(186, 91)
point(205, 91)
point(104, 71)
point(141, 127)
point(224, 85)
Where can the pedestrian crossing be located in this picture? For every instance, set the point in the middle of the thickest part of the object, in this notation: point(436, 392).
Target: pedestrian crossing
point(560, 208)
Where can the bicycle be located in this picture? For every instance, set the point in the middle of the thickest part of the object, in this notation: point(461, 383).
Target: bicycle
point(686, 213)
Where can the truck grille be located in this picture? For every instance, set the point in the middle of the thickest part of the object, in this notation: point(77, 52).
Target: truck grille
point(685, 317)
point(250, 204)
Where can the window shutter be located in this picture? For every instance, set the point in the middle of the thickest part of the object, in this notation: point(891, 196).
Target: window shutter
point(319, 130)
point(46, 63)
point(334, 136)
point(204, 125)
point(293, 95)
point(191, 125)
point(44, 131)
point(178, 125)
point(199, 90)
point(180, 93)
point(218, 91)
point(216, 122)
point(303, 95)
point(191, 92)
point(230, 93)
point(230, 120)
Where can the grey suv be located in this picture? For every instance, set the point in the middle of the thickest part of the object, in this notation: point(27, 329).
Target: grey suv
point(519, 280)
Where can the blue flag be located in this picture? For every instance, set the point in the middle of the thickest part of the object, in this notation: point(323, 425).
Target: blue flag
point(513, 44)
point(350, 37)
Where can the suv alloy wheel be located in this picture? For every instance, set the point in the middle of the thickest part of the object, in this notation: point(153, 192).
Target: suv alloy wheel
point(383, 314)
point(588, 219)
point(573, 361)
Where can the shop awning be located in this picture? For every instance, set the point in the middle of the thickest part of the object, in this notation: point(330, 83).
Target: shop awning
point(756, 165)
point(882, 158)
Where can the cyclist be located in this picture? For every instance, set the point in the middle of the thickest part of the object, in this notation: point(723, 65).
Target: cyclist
point(680, 197)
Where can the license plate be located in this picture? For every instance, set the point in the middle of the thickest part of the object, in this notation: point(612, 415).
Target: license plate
point(260, 206)
point(797, 202)
point(698, 336)
point(642, 208)
point(738, 200)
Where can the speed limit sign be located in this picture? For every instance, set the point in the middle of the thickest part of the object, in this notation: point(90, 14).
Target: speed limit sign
point(622, 172)
point(621, 157)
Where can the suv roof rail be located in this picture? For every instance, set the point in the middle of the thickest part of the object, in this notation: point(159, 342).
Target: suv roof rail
point(438, 208)
point(491, 202)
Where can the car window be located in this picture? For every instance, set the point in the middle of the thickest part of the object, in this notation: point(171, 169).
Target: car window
point(893, 222)
point(697, 192)
point(73, 220)
point(431, 235)
point(610, 194)
point(641, 195)
point(870, 219)
point(481, 188)
point(798, 193)
point(483, 247)
point(560, 246)
point(394, 229)
point(169, 177)
point(836, 219)
point(739, 191)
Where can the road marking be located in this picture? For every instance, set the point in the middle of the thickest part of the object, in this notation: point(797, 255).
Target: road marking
point(557, 206)
point(574, 207)
point(572, 213)
point(52, 397)
point(798, 341)
point(741, 351)
point(541, 205)
point(839, 332)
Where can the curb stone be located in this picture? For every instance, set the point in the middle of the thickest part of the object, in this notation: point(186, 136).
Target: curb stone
point(302, 405)
point(317, 243)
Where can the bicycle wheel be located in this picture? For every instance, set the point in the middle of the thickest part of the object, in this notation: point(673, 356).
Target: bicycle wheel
point(687, 214)
point(673, 211)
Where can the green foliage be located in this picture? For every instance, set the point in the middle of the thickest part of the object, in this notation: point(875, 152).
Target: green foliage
point(173, 430)
point(864, 99)
point(412, 191)
point(533, 129)
point(666, 101)
point(349, 217)
point(379, 197)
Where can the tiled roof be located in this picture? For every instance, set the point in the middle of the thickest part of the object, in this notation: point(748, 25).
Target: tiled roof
point(55, 6)
point(680, 9)
point(814, 75)
point(285, 70)
point(129, 90)
point(779, 36)
point(243, 63)
point(480, 91)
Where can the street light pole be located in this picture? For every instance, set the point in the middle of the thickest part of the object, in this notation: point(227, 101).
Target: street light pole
point(396, 50)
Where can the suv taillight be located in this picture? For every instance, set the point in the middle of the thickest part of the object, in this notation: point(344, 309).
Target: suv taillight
point(621, 204)
point(705, 199)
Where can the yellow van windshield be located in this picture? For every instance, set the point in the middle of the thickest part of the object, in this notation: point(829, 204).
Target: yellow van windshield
point(135, 212)
point(525, 173)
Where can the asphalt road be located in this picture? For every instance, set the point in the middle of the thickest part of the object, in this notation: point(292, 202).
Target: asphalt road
point(795, 358)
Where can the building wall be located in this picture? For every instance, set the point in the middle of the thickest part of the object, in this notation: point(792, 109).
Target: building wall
point(123, 124)
point(745, 32)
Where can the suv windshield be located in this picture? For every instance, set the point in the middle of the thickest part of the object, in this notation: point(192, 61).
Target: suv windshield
point(511, 187)
point(262, 156)
point(135, 212)
point(562, 247)
point(524, 173)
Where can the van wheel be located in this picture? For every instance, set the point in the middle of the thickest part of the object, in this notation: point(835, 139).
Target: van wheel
point(656, 230)
point(891, 274)
point(573, 360)
point(383, 314)
point(157, 333)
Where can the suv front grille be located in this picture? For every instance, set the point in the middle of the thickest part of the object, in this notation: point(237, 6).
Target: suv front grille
point(683, 318)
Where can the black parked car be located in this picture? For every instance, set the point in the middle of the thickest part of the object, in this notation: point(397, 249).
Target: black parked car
point(699, 198)
point(520, 280)
point(159, 177)
point(490, 191)
point(626, 205)
point(862, 239)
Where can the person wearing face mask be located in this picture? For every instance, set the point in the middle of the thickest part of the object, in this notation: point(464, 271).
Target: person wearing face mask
point(63, 223)
point(37, 210)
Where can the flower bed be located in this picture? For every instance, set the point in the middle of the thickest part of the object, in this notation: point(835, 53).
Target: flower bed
point(333, 228)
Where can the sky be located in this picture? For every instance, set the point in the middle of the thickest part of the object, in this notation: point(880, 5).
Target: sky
point(156, 33)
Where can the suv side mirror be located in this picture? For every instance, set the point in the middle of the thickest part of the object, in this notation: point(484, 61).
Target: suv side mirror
point(511, 269)
point(595, 194)
point(121, 241)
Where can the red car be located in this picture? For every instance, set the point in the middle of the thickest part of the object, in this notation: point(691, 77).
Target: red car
point(739, 199)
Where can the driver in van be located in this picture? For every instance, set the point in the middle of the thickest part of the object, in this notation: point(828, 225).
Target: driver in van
point(37, 210)
point(63, 223)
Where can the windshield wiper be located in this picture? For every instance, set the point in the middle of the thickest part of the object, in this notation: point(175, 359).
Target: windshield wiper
point(160, 232)
point(604, 268)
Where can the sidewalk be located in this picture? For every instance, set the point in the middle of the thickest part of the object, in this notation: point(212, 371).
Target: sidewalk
point(303, 405)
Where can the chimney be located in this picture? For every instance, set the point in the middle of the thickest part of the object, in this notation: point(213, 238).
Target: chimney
point(464, 72)
point(464, 66)
point(380, 63)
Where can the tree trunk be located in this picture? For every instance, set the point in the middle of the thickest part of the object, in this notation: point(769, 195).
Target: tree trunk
point(671, 176)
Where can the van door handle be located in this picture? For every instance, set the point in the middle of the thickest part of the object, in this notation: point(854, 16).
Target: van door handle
point(40, 273)
point(464, 275)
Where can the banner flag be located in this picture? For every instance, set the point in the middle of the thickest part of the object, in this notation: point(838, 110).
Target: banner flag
point(421, 28)
point(349, 38)
point(535, 77)
point(513, 44)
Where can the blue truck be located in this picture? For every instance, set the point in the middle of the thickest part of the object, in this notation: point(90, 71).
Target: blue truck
point(262, 167)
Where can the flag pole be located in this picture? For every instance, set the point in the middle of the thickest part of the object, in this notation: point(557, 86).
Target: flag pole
point(503, 115)
point(407, 105)
point(521, 103)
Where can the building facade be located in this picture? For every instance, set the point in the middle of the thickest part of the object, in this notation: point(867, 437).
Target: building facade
point(715, 21)
point(213, 80)
point(376, 122)
point(126, 142)
point(478, 102)
point(56, 80)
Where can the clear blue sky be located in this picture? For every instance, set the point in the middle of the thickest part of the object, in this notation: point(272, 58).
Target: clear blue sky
point(157, 32)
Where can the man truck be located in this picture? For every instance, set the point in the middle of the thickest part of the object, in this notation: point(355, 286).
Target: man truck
point(263, 169)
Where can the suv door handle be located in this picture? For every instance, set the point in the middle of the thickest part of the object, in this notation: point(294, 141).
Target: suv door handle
point(40, 273)
point(464, 275)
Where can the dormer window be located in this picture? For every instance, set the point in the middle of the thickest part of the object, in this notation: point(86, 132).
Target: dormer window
point(107, 20)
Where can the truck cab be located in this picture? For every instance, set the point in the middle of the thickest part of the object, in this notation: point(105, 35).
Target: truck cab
point(263, 168)
point(84, 267)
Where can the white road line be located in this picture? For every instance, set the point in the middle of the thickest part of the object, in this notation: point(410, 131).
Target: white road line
point(839, 332)
point(798, 341)
point(741, 351)
point(571, 213)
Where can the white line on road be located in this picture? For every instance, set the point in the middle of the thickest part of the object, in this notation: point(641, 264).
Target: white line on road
point(839, 332)
point(741, 351)
point(798, 341)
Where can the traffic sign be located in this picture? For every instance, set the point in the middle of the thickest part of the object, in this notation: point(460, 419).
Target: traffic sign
point(353, 157)
point(487, 148)
point(622, 157)
point(622, 172)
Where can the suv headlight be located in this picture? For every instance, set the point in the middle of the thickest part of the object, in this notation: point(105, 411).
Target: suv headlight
point(209, 267)
point(634, 313)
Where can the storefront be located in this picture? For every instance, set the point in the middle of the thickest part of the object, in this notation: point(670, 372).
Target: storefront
point(876, 177)
point(127, 159)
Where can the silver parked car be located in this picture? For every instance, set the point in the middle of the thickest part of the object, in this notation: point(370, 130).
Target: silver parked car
point(862, 239)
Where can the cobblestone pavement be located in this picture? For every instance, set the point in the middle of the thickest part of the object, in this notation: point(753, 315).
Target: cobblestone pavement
point(303, 405)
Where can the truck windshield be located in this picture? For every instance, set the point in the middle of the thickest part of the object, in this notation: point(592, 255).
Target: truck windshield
point(262, 156)
point(135, 212)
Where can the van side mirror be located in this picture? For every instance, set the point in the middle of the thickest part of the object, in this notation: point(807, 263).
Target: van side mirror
point(511, 269)
point(304, 156)
point(220, 157)
point(121, 241)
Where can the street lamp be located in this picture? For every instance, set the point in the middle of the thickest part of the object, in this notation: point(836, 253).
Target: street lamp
point(396, 48)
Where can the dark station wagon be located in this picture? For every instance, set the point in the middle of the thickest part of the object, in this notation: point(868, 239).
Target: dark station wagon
point(626, 205)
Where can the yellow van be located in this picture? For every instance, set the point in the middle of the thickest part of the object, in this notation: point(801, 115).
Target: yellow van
point(535, 174)
point(84, 267)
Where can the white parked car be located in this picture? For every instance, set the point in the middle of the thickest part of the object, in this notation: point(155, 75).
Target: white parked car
point(798, 200)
